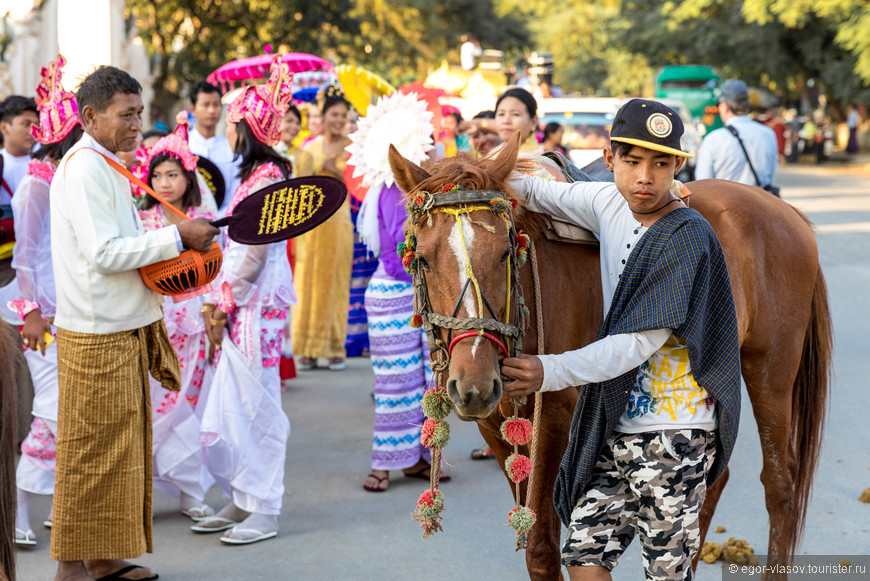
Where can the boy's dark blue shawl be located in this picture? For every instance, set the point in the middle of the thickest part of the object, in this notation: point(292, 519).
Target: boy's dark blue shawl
point(675, 278)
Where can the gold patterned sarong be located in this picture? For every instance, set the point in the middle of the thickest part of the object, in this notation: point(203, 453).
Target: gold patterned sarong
point(102, 499)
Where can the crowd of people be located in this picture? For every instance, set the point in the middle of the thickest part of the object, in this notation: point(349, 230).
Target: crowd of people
point(183, 369)
point(134, 391)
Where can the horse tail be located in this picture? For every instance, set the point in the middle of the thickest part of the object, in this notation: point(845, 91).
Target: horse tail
point(809, 405)
point(8, 452)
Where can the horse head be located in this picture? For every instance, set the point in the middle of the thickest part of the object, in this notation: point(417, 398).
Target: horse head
point(461, 235)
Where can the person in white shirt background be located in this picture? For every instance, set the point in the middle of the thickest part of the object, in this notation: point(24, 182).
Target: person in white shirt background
point(205, 104)
point(721, 156)
point(17, 115)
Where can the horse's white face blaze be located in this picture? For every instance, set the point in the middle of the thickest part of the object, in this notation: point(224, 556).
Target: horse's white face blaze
point(474, 379)
point(455, 241)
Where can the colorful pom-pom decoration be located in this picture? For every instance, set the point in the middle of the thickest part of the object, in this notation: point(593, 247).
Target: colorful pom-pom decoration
point(522, 519)
point(500, 206)
point(435, 433)
point(416, 321)
point(518, 467)
point(436, 403)
point(522, 241)
point(516, 431)
point(428, 512)
point(407, 252)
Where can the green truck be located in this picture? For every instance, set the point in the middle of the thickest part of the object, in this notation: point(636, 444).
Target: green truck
point(695, 85)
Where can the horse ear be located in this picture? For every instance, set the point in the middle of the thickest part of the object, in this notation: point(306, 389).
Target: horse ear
point(502, 166)
point(407, 174)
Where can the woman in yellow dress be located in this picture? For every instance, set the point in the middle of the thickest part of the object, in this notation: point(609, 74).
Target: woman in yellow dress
point(324, 255)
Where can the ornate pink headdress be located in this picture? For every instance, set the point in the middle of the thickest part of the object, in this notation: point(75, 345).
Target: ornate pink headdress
point(264, 106)
point(175, 144)
point(58, 111)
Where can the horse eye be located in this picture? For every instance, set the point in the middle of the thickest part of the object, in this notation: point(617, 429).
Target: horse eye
point(424, 264)
point(505, 256)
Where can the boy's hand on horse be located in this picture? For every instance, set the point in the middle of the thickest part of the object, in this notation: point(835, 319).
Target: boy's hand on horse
point(523, 375)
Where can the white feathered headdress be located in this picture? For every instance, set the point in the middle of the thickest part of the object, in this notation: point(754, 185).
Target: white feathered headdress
point(401, 120)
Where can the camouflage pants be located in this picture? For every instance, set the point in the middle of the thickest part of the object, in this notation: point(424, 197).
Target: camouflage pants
point(651, 483)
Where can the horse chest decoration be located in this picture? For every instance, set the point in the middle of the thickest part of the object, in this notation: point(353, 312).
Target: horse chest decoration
point(468, 291)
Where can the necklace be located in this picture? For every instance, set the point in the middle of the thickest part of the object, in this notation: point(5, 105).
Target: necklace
point(657, 209)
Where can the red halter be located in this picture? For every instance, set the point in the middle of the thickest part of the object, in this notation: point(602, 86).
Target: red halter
point(476, 334)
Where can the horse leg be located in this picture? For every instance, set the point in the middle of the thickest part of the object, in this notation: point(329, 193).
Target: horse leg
point(769, 381)
point(711, 499)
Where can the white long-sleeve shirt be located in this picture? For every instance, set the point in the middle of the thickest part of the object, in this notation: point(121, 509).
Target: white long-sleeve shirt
point(98, 243)
point(665, 394)
point(31, 256)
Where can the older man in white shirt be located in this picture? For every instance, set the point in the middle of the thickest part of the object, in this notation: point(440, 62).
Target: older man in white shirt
point(110, 336)
point(205, 104)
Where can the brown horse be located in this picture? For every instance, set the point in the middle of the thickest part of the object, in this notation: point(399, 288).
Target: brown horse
point(14, 365)
point(783, 318)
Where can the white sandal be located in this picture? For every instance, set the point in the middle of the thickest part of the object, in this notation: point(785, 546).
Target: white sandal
point(258, 536)
point(198, 513)
point(225, 524)
point(27, 539)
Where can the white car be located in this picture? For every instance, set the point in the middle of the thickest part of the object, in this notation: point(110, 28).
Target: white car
point(586, 121)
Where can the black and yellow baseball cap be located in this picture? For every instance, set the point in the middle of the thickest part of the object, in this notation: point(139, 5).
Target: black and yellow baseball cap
point(649, 124)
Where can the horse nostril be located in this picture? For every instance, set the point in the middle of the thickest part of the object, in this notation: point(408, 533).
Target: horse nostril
point(453, 391)
point(496, 389)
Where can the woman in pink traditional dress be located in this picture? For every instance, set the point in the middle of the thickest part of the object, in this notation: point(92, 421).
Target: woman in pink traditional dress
point(58, 131)
point(179, 470)
point(244, 428)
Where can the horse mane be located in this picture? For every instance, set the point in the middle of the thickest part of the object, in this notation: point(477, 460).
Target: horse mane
point(470, 173)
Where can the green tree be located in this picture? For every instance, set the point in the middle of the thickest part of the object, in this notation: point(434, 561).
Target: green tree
point(188, 39)
point(403, 40)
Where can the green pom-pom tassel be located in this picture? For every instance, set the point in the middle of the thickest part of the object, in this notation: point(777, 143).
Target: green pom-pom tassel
point(522, 519)
point(436, 403)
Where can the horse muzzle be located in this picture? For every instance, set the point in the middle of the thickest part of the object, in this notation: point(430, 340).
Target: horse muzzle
point(474, 397)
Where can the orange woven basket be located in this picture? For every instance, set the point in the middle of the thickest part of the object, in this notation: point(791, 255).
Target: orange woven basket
point(185, 272)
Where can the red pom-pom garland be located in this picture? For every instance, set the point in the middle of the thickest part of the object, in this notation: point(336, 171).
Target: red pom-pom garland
point(516, 431)
point(518, 467)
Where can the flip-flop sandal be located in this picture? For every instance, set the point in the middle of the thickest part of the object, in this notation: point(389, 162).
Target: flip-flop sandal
point(225, 524)
point(259, 537)
point(483, 453)
point(198, 513)
point(381, 480)
point(47, 523)
point(25, 538)
point(116, 576)
point(424, 475)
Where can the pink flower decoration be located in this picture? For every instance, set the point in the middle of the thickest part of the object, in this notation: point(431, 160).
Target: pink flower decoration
point(518, 467)
point(517, 431)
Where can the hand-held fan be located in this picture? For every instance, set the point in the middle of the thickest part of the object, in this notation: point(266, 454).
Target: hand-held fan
point(284, 210)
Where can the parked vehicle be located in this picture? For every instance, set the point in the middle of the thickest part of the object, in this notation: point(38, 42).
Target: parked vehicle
point(695, 85)
point(587, 123)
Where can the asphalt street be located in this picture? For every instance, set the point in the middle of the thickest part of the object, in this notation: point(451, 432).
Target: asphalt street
point(332, 529)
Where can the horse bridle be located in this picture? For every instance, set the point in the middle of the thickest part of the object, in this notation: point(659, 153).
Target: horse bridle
point(461, 203)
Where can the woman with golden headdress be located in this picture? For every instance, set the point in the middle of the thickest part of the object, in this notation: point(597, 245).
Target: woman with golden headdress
point(324, 255)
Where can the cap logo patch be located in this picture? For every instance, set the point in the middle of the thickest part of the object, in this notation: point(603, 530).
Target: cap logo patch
point(659, 125)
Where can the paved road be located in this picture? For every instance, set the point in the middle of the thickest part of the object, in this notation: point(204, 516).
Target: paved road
point(332, 529)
